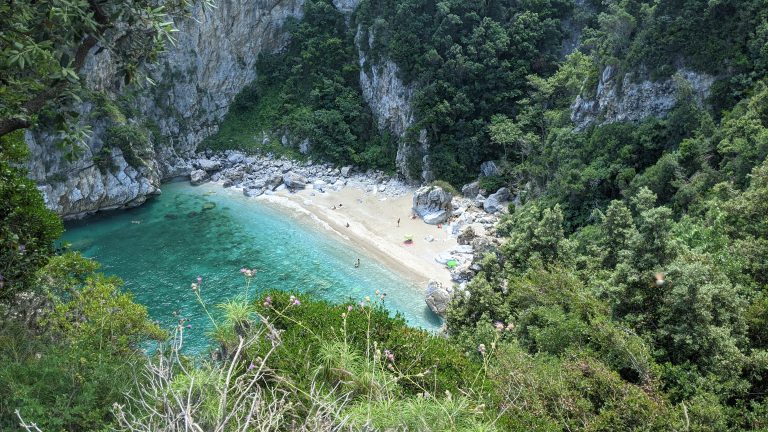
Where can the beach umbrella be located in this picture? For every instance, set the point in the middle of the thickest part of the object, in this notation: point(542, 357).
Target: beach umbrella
point(452, 264)
point(409, 238)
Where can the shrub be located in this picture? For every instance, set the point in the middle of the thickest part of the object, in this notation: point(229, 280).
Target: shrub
point(444, 185)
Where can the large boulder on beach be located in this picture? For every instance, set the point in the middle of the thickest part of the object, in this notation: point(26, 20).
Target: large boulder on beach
point(294, 181)
point(275, 181)
point(494, 202)
point(197, 177)
point(346, 171)
point(253, 192)
point(208, 164)
point(470, 190)
point(437, 297)
point(466, 235)
point(235, 158)
point(432, 204)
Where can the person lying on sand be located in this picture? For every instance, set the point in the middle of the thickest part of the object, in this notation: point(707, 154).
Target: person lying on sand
point(357, 264)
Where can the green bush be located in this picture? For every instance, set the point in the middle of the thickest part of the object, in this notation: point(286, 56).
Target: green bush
point(27, 228)
point(444, 185)
point(492, 183)
point(131, 140)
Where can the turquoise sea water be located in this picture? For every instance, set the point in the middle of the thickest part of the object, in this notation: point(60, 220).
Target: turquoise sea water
point(160, 248)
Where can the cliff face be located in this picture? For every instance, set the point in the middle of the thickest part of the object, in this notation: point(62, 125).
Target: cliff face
point(619, 99)
point(197, 79)
point(390, 102)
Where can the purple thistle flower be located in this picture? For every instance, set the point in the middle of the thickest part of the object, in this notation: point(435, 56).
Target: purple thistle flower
point(349, 308)
point(251, 366)
point(199, 279)
point(22, 248)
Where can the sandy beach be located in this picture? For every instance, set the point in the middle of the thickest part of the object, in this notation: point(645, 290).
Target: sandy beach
point(372, 220)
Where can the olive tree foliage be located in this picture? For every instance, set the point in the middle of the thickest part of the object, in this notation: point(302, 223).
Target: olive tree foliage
point(44, 45)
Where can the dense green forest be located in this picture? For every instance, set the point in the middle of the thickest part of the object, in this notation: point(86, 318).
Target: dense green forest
point(630, 291)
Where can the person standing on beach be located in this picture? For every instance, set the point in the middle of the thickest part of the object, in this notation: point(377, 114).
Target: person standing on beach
point(357, 264)
point(398, 222)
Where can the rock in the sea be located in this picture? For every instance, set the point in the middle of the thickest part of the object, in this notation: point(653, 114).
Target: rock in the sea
point(346, 171)
point(253, 192)
point(197, 177)
point(493, 204)
point(437, 297)
point(208, 165)
point(432, 204)
point(470, 190)
point(489, 169)
point(294, 181)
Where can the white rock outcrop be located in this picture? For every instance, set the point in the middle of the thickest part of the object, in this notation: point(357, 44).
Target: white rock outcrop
point(432, 204)
point(437, 297)
point(197, 78)
point(625, 98)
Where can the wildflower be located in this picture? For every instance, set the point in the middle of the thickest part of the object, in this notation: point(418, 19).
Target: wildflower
point(268, 301)
point(251, 366)
point(362, 304)
point(343, 315)
point(389, 355)
point(390, 367)
point(349, 308)
point(295, 302)
point(194, 286)
point(22, 248)
point(189, 326)
point(481, 348)
point(199, 279)
point(510, 327)
point(499, 326)
point(367, 298)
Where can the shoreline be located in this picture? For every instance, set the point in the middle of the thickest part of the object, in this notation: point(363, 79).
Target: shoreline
point(372, 227)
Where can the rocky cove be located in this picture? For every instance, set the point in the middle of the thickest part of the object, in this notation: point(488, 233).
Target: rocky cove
point(447, 256)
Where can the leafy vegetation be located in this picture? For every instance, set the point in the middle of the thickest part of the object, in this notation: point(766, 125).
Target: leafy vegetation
point(309, 95)
point(630, 291)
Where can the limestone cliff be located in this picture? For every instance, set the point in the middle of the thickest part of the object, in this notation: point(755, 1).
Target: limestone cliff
point(196, 80)
point(625, 98)
point(390, 101)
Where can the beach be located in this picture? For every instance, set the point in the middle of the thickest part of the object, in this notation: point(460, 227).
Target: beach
point(372, 220)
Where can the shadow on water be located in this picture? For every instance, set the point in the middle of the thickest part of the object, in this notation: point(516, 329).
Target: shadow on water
point(158, 249)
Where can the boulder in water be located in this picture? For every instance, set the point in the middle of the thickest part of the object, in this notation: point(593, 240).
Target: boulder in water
point(437, 297)
point(253, 192)
point(197, 177)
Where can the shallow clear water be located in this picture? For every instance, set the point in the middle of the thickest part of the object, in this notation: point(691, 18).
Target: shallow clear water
point(180, 237)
